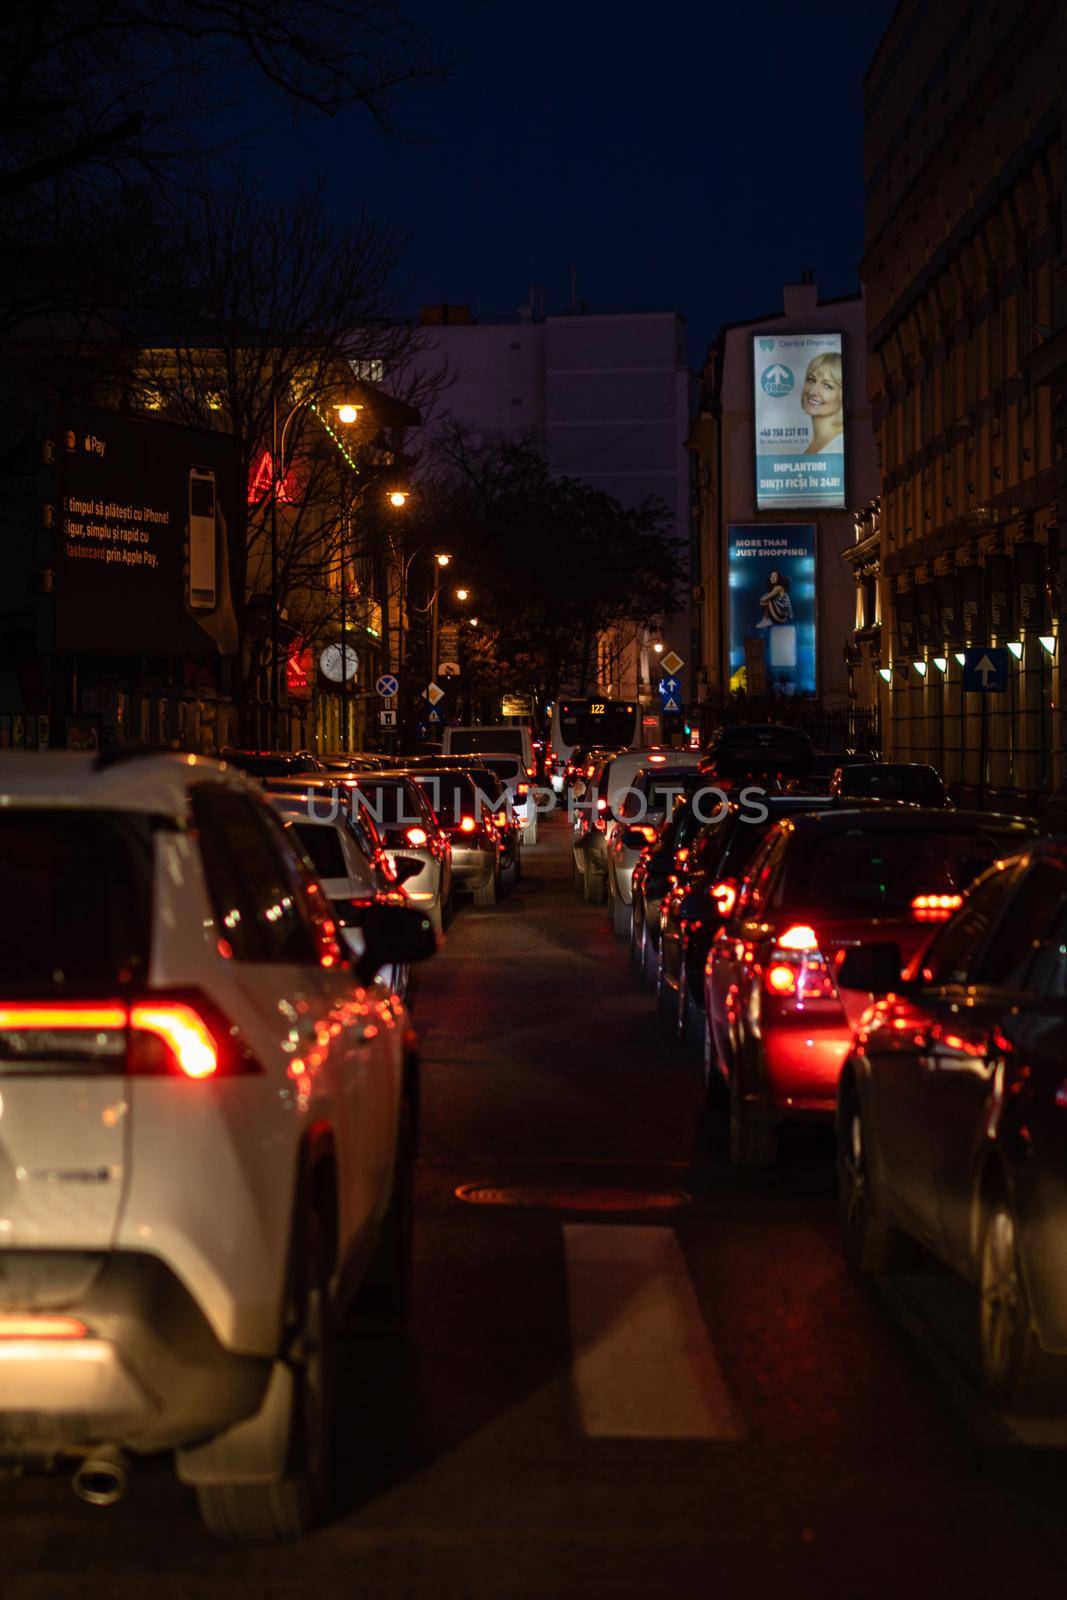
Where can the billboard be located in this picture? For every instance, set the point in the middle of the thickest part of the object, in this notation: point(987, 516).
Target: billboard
point(771, 582)
point(143, 560)
point(799, 417)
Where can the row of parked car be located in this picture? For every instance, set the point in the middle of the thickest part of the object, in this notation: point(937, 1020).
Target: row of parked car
point(209, 1098)
point(848, 947)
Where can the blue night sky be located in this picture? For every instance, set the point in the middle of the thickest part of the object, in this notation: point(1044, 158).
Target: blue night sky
point(682, 156)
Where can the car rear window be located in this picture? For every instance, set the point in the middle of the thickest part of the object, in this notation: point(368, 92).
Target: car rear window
point(892, 783)
point(390, 803)
point(506, 767)
point(870, 868)
point(451, 795)
point(473, 741)
point(321, 843)
point(76, 887)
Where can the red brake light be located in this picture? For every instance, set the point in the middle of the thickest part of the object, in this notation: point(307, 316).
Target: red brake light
point(647, 832)
point(782, 979)
point(28, 1326)
point(725, 897)
point(417, 837)
point(183, 1032)
point(935, 907)
point(163, 1034)
point(522, 790)
point(798, 937)
point(681, 856)
point(467, 825)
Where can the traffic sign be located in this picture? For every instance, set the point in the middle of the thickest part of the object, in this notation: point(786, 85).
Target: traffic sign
point(672, 663)
point(435, 693)
point(985, 669)
point(670, 688)
point(672, 704)
point(387, 686)
point(435, 716)
point(387, 719)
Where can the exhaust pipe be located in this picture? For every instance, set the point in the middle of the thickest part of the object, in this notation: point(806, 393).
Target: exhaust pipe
point(100, 1480)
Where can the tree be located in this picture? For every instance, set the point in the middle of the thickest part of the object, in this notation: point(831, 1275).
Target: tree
point(556, 563)
point(275, 311)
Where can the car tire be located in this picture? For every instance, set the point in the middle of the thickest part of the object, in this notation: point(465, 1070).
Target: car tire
point(383, 1304)
point(487, 894)
point(716, 1093)
point(298, 1501)
point(637, 950)
point(1016, 1372)
point(621, 917)
point(512, 874)
point(869, 1244)
point(753, 1140)
point(689, 1018)
point(594, 887)
point(649, 958)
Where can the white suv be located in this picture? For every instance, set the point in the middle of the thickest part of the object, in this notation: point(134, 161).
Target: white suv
point(207, 1134)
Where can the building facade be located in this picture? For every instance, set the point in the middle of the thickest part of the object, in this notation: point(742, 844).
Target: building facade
point(963, 277)
point(740, 509)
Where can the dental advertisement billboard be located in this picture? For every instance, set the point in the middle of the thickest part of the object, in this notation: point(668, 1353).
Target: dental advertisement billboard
point(799, 417)
point(771, 579)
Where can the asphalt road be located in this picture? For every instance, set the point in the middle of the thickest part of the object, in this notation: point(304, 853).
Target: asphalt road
point(610, 1402)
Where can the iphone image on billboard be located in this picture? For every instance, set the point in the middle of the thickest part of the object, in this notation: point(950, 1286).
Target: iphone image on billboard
point(202, 581)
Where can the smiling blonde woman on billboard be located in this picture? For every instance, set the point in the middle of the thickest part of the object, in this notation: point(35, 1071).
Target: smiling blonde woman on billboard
point(823, 401)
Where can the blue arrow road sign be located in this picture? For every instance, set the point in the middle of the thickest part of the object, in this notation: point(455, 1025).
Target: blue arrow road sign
point(985, 670)
point(387, 686)
point(670, 688)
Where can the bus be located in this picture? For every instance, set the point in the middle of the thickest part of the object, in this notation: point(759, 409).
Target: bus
point(613, 724)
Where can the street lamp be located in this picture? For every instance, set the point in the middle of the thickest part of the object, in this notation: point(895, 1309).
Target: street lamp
point(346, 413)
point(398, 498)
point(463, 594)
point(474, 622)
point(442, 559)
point(658, 648)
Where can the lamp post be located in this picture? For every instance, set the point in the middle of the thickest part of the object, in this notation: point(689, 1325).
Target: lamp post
point(435, 608)
point(347, 413)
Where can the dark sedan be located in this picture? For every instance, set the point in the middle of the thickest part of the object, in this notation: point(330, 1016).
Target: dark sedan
point(952, 1117)
point(660, 860)
point(910, 781)
point(699, 902)
point(821, 883)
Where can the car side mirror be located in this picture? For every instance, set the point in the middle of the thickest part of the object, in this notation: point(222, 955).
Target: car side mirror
point(871, 968)
point(405, 867)
point(393, 936)
point(635, 839)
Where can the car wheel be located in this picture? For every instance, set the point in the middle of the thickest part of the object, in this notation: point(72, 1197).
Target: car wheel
point(1016, 1371)
point(637, 942)
point(488, 893)
point(290, 1507)
point(689, 1018)
point(383, 1303)
point(649, 958)
point(753, 1140)
point(512, 873)
point(870, 1245)
point(594, 887)
point(621, 918)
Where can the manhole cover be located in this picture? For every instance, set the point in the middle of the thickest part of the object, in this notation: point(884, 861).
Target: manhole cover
point(537, 1197)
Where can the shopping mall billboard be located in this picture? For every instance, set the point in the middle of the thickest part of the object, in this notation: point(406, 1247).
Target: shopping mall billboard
point(771, 581)
point(143, 559)
point(799, 421)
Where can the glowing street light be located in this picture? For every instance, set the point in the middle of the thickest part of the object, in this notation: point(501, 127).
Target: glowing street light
point(398, 498)
point(941, 663)
point(463, 594)
point(1016, 648)
point(348, 413)
point(920, 667)
point(658, 648)
point(442, 560)
point(474, 622)
point(885, 674)
point(960, 657)
point(1048, 643)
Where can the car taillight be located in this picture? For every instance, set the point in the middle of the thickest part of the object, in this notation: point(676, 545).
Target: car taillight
point(647, 832)
point(417, 837)
point(935, 907)
point(522, 790)
point(467, 824)
point(28, 1325)
point(681, 856)
point(797, 969)
point(158, 1035)
point(725, 897)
